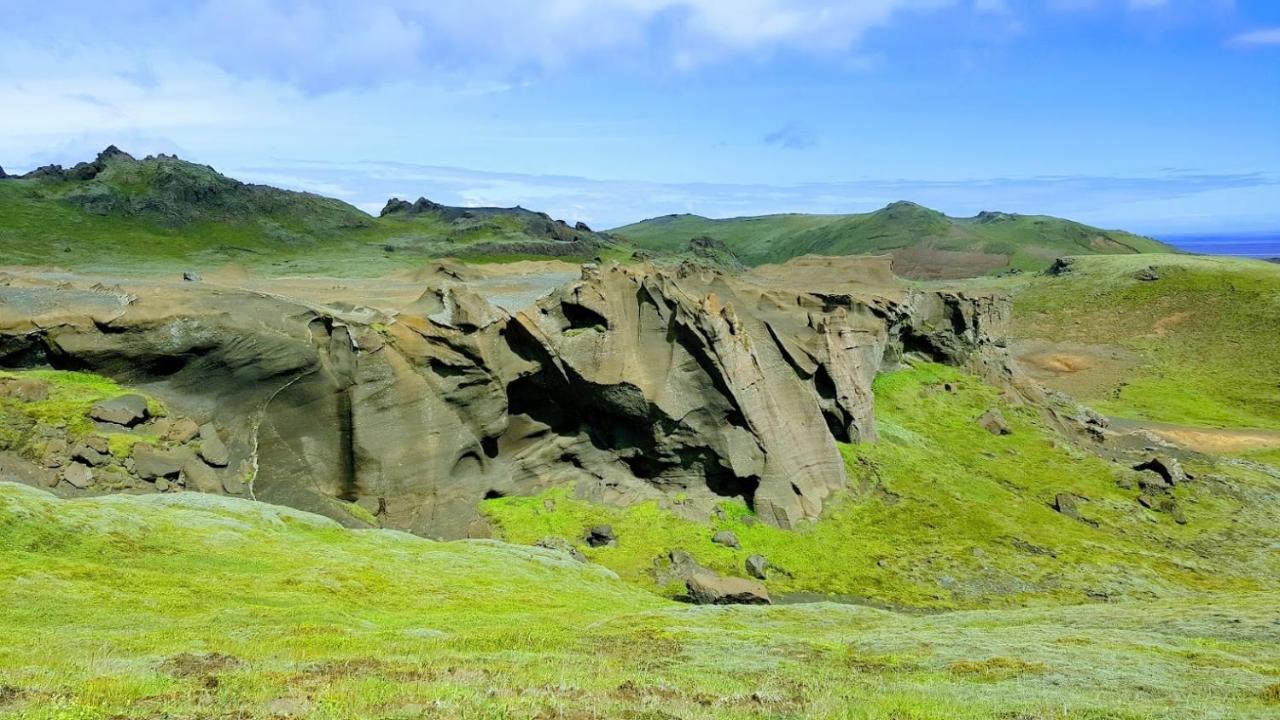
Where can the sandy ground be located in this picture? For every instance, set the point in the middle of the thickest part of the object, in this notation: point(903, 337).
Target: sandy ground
point(1078, 369)
point(1207, 440)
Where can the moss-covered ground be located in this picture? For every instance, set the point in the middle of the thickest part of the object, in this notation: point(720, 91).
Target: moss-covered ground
point(66, 406)
point(194, 606)
point(943, 514)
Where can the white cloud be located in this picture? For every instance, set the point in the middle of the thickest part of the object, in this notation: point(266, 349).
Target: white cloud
point(1257, 38)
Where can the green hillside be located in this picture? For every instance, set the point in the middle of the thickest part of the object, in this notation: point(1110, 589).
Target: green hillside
point(159, 213)
point(193, 606)
point(924, 242)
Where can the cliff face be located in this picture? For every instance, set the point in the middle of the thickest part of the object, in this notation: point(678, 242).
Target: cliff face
point(633, 383)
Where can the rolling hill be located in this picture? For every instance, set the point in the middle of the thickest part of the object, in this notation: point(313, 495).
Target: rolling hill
point(122, 213)
point(924, 243)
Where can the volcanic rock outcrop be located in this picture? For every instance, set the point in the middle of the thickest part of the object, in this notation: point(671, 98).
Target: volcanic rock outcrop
point(632, 383)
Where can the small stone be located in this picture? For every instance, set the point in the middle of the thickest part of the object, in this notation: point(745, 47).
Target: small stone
point(78, 476)
point(198, 476)
point(600, 536)
point(212, 449)
point(181, 431)
point(127, 410)
point(993, 422)
point(1167, 468)
point(162, 485)
point(98, 443)
point(726, 538)
point(89, 456)
point(708, 588)
point(562, 545)
point(757, 566)
point(1065, 503)
point(190, 276)
point(150, 463)
point(232, 484)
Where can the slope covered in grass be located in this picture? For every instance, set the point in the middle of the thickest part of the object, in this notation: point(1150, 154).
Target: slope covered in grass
point(944, 514)
point(924, 242)
point(1204, 333)
point(193, 606)
point(123, 214)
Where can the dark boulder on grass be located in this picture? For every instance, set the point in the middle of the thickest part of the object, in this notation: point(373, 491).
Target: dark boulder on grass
point(1147, 274)
point(757, 566)
point(1065, 503)
point(127, 410)
point(1167, 468)
point(78, 476)
point(191, 276)
point(600, 536)
point(150, 463)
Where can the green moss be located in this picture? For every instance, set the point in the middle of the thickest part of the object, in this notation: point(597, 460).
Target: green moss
point(942, 513)
point(71, 395)
point(358, 512)
point(121, 444)
point(182, 605)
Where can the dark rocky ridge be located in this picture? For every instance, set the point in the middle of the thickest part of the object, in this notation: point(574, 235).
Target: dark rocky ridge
point(632, 383)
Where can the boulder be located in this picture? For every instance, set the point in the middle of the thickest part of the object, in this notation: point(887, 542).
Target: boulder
point(190, 276)
point(757, 566)
point(581, 226)
point(150, 463)
point(78, 476)
point(561, 545)
point(1147, 274)
point(726, 538)
point(708, 588)
point(993, 422)
point(181, 431)
point(89, 456)
point(127, 410)
point(1065, 503)
point(212, 449)
point(199, 476)
point(600, 536)
point(1167, 468)
point(232, 484)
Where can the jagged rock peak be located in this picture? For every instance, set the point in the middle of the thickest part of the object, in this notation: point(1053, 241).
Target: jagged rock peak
point(992, 216)
point(421, 205)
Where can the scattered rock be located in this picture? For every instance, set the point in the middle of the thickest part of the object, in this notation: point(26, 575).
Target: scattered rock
point(1147, 274)
point(198, 476)
point(1065, 503)
point(600, 536)
point(1169, 469)
point(78, 476)
point(127, 410)
point(1061, 266)
point(190, 665)
point(212, 449)
point(89, 456)
point(150, 463)
point(757, 566)
point(581, 226)
point(562, 545)
point(190, 276)
point(181, 431)
point(726, 538)
point(708, 588)
point(232, 484)
point(993, 422)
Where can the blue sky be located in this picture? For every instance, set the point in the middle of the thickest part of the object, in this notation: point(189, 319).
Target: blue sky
point(1159, 116)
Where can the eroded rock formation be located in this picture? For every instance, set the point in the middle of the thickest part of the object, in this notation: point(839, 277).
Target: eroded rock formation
point(632, 382)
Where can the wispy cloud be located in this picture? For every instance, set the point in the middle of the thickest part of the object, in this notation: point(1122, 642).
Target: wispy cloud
point(792, 136)
point(1257, 38)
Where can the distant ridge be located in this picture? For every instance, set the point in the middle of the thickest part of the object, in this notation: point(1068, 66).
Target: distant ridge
point(924, 243)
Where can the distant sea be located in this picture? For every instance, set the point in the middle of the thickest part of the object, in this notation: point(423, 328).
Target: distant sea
point(1254, 245)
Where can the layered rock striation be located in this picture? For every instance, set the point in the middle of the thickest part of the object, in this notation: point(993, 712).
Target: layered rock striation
point(632, 383)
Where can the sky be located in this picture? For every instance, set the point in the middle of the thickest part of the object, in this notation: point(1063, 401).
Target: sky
point(1158, 116)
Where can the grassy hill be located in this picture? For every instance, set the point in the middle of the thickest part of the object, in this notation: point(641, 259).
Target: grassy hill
point(1168, 338)
point(925, 243)
point(161, 212)
point(193, 606)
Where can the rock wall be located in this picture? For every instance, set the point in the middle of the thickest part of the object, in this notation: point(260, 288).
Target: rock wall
point(633, 383)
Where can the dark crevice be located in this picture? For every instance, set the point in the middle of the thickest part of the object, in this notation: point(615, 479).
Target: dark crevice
point(490, 447)
point(581, 317)
point(832, 413)
point(494, 494)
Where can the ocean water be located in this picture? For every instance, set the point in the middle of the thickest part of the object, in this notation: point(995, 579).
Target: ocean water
point(1254, 245)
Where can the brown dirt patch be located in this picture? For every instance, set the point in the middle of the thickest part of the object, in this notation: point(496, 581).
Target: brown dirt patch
point(1059, 362)
point(1161, 327)
point(921, 263)
point(1081, 370)
point(186, 665)
point(1220, 441)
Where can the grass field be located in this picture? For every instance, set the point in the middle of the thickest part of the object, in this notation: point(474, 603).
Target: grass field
point(1205, 332)
point(192, 606)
